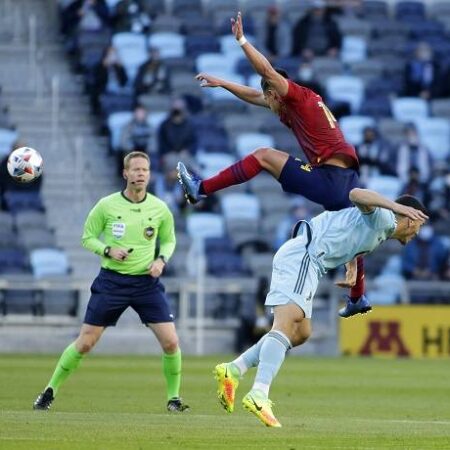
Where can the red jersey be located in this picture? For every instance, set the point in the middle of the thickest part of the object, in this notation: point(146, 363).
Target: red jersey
point(313, 125)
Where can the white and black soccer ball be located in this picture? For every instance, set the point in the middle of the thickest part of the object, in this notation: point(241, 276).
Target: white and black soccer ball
point(25, 164)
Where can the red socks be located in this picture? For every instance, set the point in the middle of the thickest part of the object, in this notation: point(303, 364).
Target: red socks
point(238, 173)
point(358, 289)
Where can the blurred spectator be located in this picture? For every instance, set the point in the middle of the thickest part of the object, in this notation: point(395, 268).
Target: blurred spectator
point(416, 188)
point(439, 186)
point(298, 211)
point(255, 320)
point(275, 33)
point(136, 135)
point(177, 134)
point(152, 75)
point(89, 15)
point(375, 155)
point(424, 258)
point(109, 76)
point(412, 154)
point(307, 78)
point(423, 76)
point(316, 34)
point(130, 16)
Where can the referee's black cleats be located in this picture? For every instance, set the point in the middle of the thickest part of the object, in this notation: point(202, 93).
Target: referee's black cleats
point(176, 405)
point(190, 183)
point(44, 400)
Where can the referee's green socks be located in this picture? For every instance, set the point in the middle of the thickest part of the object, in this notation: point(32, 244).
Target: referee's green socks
point(172, 373)
point(68, 362)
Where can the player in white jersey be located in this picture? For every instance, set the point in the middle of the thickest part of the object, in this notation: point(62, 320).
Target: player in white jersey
point(330, 240)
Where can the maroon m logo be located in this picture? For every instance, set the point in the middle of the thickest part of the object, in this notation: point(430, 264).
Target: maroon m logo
point(384, 337)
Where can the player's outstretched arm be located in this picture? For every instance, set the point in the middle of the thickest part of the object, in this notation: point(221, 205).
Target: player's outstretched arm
point(246, 93)
point(259, 62)
point(367, 200)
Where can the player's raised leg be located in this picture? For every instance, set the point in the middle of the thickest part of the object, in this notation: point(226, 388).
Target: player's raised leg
point(245, 169)
point(68, 363)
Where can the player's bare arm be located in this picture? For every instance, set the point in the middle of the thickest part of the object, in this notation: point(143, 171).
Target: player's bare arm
point(350, 275)
point(246, 93)
point(259, 62)
point(366, 201)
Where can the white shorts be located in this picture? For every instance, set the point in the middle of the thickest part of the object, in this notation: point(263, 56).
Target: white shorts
point(294, 276)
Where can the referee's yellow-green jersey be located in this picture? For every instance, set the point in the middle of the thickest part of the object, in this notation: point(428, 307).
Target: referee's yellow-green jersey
point(129, 225)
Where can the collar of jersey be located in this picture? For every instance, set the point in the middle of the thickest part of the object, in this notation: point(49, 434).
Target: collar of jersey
point(133, 203)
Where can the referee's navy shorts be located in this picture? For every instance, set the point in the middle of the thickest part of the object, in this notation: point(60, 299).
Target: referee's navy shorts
point(112, 293)
point(327, 185)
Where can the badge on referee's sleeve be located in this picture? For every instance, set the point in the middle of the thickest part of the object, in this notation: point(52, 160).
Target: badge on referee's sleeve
point(149, 232)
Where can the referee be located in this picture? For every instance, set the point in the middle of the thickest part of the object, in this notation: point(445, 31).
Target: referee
point(130, 221)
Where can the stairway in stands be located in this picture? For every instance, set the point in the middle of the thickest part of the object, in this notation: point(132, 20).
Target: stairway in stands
point(52, 114)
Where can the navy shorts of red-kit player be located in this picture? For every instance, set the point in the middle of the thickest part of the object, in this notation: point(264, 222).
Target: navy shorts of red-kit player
point(327, 185)
point(112, 293)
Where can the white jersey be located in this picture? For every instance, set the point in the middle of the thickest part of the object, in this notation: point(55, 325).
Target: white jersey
point(339, 236)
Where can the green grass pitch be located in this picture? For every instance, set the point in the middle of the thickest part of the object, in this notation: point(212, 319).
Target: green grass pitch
point(119, 403)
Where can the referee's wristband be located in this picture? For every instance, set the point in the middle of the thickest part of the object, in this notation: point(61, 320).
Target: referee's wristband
point(242, 40)
point(106, 251)
point(162, 258)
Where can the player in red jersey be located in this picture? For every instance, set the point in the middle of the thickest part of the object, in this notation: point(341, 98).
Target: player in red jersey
point(328, 177)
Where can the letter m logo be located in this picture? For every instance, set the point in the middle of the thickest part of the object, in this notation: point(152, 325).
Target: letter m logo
point(384, 337)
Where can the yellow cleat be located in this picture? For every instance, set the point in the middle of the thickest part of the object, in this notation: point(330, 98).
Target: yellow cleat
point(258, 404)
point(227, 382)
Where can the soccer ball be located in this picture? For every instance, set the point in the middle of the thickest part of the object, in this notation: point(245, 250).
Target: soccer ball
point(25, 164)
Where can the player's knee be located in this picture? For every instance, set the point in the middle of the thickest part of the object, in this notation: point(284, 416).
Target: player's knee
point(263, 155)
point(170, 345)
point(301, 336)
point(85, 343)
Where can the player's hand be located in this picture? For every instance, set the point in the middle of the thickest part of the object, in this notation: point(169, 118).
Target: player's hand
point(410, 212)
point(118, 254)
point(350, 275)
point(208, 80)
point(155, 269)
point(236, 26)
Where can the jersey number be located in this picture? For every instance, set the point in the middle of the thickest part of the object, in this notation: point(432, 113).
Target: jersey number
point(328, 114)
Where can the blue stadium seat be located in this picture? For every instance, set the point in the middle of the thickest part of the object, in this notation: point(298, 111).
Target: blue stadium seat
point(48, 262)
point(240, 206)
point(35, 238)
point(376, 107)
point(12, 258)
point(205, 225)
point(426, 29)
point(181, 7)
point(7, 236)
point(211, 163)
point(248, 142)
point(354, 48)
point(7, 139)
point(409, 109)
point(196, 45)
point(409, 10)
point(435, 134)
point(214, 140)
point(290, 65)
point(375, 9)
point(194, 24)
point(346, 88)
point(170, 45)
point(353, 127)
point(16, 201)
point(387, 186)
point(111, 103)
point(6, 221)
point(213, 63)
point(22, 302)
point(227, 264)
point(115, 122)
point(165, 23)
point(30, 219)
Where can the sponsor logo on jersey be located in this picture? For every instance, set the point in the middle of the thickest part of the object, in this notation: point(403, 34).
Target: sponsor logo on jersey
point(118, 229)
point(149, 232)
point(306, 167)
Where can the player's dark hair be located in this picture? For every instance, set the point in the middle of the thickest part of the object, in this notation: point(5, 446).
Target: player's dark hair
point(265, 84)
point(413, 202)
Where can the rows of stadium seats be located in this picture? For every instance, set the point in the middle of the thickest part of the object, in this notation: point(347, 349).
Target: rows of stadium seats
point(367, 77)
point(27, 244)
